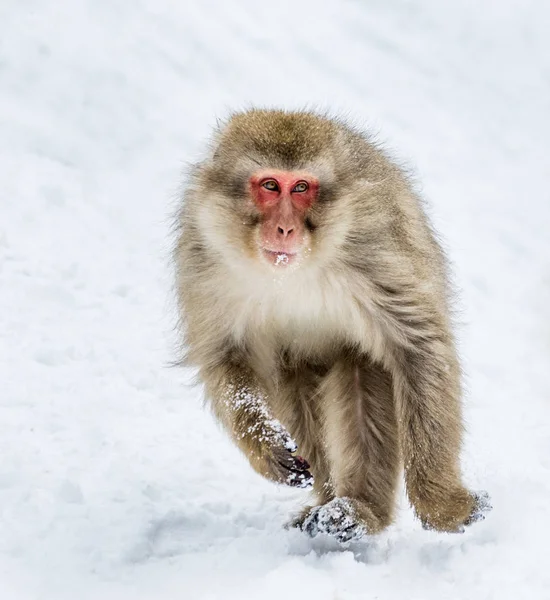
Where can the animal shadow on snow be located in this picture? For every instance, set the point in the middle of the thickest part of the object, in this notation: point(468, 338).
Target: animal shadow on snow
point(201, 528)
point(182, 532)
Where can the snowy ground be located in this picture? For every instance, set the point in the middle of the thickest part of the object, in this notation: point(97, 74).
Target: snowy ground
point(114, 482)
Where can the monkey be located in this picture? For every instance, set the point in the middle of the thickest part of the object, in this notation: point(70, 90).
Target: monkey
point(314, 301)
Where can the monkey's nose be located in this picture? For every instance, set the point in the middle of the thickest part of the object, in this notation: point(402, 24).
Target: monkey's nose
point(285, 231)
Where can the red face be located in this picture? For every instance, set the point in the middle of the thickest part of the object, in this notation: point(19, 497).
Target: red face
point(283, 198)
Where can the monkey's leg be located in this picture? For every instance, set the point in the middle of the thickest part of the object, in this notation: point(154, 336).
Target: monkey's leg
point(297, 405)
point(361, 436)
point(427, 384)
point(241, 405)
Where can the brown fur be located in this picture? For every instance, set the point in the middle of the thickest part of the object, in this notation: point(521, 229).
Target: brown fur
point(352, 350)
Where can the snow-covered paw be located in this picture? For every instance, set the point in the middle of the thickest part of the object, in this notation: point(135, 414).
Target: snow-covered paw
point(293, 470)
point(482, 506)
point(448, 518)
point(337, 518)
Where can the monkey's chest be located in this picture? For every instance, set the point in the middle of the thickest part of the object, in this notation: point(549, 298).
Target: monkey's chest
point(306, 317)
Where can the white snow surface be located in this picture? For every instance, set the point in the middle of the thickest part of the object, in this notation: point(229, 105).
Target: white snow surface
point(115, 482)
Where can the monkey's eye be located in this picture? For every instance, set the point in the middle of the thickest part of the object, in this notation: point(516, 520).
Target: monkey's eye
point(301, 186)
point(271, 185)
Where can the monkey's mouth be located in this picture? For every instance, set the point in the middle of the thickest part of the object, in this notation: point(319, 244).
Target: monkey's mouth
point(280, 258)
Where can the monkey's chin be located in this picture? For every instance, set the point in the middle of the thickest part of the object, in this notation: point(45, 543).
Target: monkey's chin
point(280, 259)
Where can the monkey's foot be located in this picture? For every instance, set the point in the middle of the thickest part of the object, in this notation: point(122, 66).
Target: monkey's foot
point(337, 518)
point(480, 504)
point(481, 507)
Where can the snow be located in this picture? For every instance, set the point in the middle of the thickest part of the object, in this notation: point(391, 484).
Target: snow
point(114, 481)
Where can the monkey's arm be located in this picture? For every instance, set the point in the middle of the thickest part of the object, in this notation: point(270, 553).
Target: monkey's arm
point(240, 405)
point(428, 393)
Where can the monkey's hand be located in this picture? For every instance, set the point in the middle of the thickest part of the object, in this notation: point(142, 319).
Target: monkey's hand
point(287, 468)
point(273, 456)
point(263, 439)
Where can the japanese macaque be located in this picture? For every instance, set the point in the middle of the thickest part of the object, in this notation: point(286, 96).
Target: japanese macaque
point(314, 302)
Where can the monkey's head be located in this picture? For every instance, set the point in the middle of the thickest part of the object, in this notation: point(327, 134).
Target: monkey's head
point(275, 185)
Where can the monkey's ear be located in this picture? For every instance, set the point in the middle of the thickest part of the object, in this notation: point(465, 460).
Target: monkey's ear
point(214, 146)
